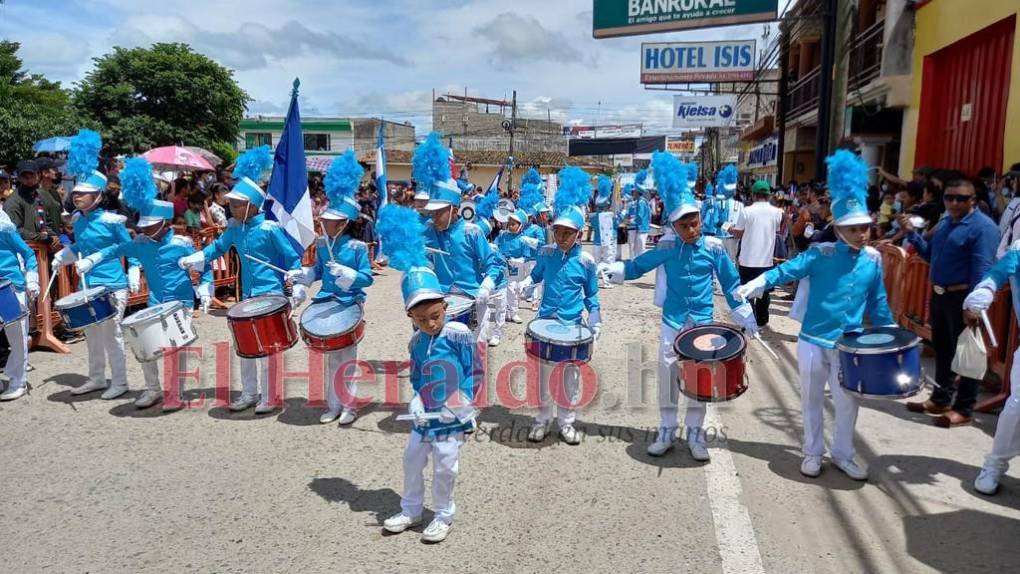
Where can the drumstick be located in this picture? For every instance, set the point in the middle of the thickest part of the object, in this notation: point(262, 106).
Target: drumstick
point(757, 337)
point(426, 416)
point(988, 328)
point(434, 250)
point(267, 264)
point(53, 276)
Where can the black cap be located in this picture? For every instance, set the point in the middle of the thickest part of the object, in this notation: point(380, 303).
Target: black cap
point(4, 174)
point(42, 163)
point(1014, 170)
point(27, 165)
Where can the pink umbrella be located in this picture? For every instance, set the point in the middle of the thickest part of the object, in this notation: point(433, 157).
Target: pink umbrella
point(319, 163)
point(177, 158)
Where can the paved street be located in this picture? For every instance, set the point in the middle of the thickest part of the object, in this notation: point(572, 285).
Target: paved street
point(96, 486)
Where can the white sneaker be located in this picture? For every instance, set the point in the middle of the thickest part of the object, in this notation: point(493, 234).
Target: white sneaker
point(570, 435)
point(986, 483)
point(852, 468)
point(243, 403)
point(698, 451)
point(14, 393)
point(660, 447)
point(494, 342)
point(347, 417)
point(113, 392)
point(89, 387)
point(329, 416)
point(516, 319)
point(264, 408)
point(534, 306)
point(436, 531)
point(812, 466)
point(608, 286)
point(538, 432)
point(148, 398)
point(400, 522)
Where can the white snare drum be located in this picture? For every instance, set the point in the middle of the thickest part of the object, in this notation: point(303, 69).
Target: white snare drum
point(158, 331)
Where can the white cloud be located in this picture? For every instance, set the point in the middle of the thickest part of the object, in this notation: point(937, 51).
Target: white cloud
point(522, 40)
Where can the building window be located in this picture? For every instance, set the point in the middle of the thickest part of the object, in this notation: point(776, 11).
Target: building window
point(255, 139)
point(317, 142)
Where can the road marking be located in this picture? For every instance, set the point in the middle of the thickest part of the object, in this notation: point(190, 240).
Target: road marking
point(734, 533)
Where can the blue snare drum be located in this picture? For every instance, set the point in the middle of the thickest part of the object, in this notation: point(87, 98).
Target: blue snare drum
point(461, 309)
point(881, 362)
point(86, 308)
point(551, 341)
point(11, 310)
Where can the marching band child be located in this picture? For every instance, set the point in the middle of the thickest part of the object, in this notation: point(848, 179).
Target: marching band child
point(253, 237)
point(728, 209)
point(26, 287)
point(157, 248)
point(516, 248)
point(442, 376)
point(844, 279)
point(462, 259)
point(571, 287)
point(490, 326)
point(342, 264)
point(96, 229)
point(604, 222)
point(690, 262)
point(638, 216)
point(532, 201)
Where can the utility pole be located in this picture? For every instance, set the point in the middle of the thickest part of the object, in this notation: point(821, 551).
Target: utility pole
point(510, 128)
point(780, 110)
point(841, 65)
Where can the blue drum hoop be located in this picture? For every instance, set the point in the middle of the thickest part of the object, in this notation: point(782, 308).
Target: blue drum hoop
point(85, 299)
point(7, 286)
point(570, 349)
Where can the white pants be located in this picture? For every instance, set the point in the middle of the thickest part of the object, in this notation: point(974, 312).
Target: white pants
point(445, 453)
point(335, 360)
point(569, 388)
point(150, 371)
point(491, 323)
point(17, 337)
point(514, 293)
point(255, 376)
point(605, 253)
point(105, 341)
point(535, 291)
point(819, 366)
point(1006, 443)
point(637, 242)
point(669, 394)
point(731, 244)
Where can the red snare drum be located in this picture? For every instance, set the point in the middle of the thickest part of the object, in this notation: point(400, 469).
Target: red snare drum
point(711, 362)
point(262, 326)
point(329, 326)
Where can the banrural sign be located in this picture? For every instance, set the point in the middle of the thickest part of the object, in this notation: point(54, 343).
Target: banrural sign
point(612, 18)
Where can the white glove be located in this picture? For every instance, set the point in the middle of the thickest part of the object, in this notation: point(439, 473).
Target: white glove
point(298, 293)
point(195, 260)
point(752, 289)
point(205, 301)
point(458, 408)
point(615, 271)
point(485, 289)
point(134, 280)
point(596, 331)
point(526, 282)
point(65, 256)
point(416, 409)
point(345, 276)
point(744, 316)
point(32, 284)
point(980, 299)
point(531, 242)
point(85, 265)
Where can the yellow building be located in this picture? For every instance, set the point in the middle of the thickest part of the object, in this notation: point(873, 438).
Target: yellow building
point(965, 103)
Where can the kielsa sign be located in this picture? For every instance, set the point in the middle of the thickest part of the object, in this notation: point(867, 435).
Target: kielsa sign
point(702, 111)
point(612, 18)
point(667, 63)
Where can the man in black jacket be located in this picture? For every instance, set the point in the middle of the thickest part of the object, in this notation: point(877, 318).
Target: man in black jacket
point(25, 206)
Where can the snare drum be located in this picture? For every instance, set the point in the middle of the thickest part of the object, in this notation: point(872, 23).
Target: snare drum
point(11, 309)
point(158, 331)
point(551, 341)
point(881, 362)
point(329, 326)
point(710, 358)
point(86, 308)
point(262, 326)
point(461, 308)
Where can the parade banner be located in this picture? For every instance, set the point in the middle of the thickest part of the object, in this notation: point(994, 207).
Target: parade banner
point(670, 62)
point(611, 18)
point(703, 111)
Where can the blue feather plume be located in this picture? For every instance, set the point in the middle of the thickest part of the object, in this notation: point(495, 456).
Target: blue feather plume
point(83, 154)
point(402, 234)
point(431, 162)
point(728, 175)
point(531, 195)
point(531, 177)
point(253, 162)
point(639, 179)
point(671, 180)
point(692, 171)
point(574, 189)
point(343, 178)
point(487, 204)
point(137, 188)
point(605, 186)
point(847, 176)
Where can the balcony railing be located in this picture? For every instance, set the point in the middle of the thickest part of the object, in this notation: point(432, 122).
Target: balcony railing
point(866, 56)
point(803, 94)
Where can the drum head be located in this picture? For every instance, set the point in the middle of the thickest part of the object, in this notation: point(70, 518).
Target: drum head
point(713, 342)
point(258, 307)
point(457, 304)
point(877, 340)
point(154, 312)
point(330, 318)
point(79, 297)
point(553, 331)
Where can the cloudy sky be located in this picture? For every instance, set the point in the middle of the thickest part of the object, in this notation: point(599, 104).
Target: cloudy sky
point(371, 57)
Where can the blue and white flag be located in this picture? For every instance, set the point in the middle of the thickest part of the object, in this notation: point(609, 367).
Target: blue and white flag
point(494, 185)
point(290, 202)
point(380, 168)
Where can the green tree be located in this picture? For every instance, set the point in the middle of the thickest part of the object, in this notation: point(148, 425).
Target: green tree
point(31, 108)
point(164, 95)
